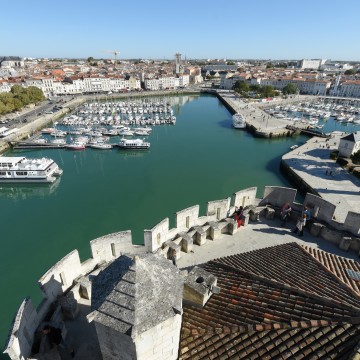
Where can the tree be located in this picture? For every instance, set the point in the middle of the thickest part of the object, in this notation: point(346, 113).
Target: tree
point(269, 66)
point(230, 63)
point(255, 87)
point(290, 88)
point(17, 90)
point(35, 94)
point(241, 86)
point(90, 59)
point(267, 91)
point(350, 72)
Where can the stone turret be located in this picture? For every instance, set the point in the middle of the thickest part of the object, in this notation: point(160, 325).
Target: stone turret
point(137, 308)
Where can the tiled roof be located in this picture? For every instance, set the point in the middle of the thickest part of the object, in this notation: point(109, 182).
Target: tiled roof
point(337, 265)
point(275, 303)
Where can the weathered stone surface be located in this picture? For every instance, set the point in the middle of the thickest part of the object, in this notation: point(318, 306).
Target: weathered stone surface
point(246, 219)
point(186, 242)
point(315, 229)
point(345, 243)
point(270, 213)
point(215, 231)
point(148, 283)
point(197, 287)
point(331, 235)
point(199, 236)
point(69, 306)
point(85, 287)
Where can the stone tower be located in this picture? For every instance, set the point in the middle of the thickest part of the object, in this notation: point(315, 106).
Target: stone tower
point(137, 308)
point(178, 66)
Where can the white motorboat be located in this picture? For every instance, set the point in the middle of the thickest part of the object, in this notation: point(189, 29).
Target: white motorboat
point(133, 144)
point(76, 145)
point(21, 169)
point(238, 121)
point(141, 133)
point(126, 133)
point(59, 142)
point(100, 146)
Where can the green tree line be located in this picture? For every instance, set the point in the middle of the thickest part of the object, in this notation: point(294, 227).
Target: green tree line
point(18, 97)
point(266, 91)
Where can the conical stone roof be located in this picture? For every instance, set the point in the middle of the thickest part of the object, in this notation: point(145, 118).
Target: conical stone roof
point(134, 294)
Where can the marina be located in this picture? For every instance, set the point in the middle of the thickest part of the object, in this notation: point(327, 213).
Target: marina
point(182, 168)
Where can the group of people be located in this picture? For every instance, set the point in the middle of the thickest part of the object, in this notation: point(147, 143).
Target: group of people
point(300, 223)
point(238, 216)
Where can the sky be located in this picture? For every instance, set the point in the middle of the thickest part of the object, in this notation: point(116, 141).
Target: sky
point(198, 29)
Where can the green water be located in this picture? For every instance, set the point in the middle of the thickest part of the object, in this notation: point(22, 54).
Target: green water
point(199, 159)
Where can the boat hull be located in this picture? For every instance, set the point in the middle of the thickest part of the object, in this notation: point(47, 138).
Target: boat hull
point(122, 147)
point(28, 180)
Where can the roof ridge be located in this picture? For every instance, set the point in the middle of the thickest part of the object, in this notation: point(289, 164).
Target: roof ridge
point(278, 284)
point(341, 282)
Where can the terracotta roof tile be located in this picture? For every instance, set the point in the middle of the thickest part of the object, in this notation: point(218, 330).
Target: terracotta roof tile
point(260, 314)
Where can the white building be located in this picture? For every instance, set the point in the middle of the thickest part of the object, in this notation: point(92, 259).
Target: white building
point(305, 86)
point(311, 64)
point(4, 86)
point(350, 89)
point(349, 144)
point(169, 82)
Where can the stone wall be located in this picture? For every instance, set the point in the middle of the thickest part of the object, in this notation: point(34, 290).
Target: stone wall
point(161, 341)
point(111, 246)
point(155, 237)
point(352, 223)
point(278, 196)
point(245, 197)
point(114, 345)
point(186, 218)
point(61, 276)
point(320, 208)
point(26, 322)
point(217, 210)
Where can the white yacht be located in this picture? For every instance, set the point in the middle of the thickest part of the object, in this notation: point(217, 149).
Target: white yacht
point(238, 121)
point(21, 169)
point(133, 144)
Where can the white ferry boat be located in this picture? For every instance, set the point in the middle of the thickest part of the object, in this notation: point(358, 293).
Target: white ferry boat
point(133, 144)
point(238, 121)
point(21, 169)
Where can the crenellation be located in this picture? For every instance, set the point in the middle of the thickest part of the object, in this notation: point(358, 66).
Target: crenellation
point(278, 196)
point(218, 209)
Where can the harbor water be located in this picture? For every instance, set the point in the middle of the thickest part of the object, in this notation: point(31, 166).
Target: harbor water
point(201, 158)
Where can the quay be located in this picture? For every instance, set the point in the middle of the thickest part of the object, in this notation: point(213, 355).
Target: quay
point(260, 123)
point(310, 168)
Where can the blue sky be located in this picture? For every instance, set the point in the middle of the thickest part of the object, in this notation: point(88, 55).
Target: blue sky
point(276, 29)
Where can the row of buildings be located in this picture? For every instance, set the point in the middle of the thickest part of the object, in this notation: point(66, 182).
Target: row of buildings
point(61, 76)
point(96, 84)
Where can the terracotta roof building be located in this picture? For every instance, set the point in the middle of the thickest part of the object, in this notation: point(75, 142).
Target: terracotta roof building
point(281, 302)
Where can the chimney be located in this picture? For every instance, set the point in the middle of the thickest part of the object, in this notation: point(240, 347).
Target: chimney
point(199, 286)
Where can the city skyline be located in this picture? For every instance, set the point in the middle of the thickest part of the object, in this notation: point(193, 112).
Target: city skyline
point(157, 30)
